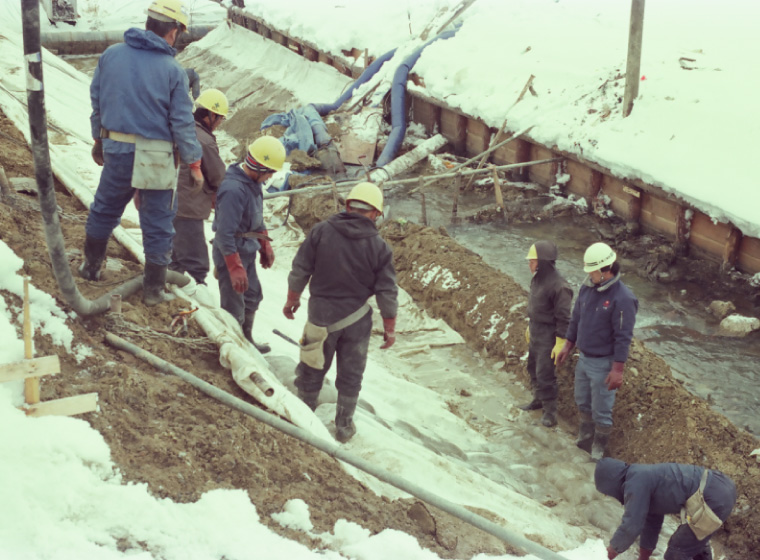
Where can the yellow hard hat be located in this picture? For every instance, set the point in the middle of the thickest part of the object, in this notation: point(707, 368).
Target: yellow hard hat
point(532, 252)
point(213, 100)
point(168, 10)
point(266, 152)
point(368, 193)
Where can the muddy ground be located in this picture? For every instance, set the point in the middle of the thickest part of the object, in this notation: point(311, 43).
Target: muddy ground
point(182, 444)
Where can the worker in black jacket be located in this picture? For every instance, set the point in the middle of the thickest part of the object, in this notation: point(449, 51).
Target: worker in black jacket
point(345, 262)
point(649, 492)
point(549, 314)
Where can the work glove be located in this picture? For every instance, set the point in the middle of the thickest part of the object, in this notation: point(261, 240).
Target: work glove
point(389, 333)
point(645, 554)
point(97, 152)
point(136, 199)
point(527, 334)
point(196, 175)
point(291, 304)
point(615, 376)
point(564, 353)
point(558, 346)
point(238, 275)
point(611, 553)
point(266, 253)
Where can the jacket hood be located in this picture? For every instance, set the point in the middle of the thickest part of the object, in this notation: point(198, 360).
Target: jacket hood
point(147, 41)
point(546, 251)
point(609, 477)
point(353, 225)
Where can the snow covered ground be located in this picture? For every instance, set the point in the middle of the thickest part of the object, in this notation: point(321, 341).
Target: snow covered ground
point(70, 520)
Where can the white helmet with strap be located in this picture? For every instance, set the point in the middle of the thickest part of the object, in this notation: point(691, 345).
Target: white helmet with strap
point(598, 256)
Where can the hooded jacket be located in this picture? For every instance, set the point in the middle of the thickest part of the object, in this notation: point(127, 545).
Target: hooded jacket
point(239, 209)
point(550, 296)
point(345, 262)
point(192, 204)
point(138, 88)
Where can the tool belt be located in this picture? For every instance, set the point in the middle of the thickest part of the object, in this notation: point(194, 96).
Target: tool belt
point(700, 517)
point(155, 166)
point(253, 234)
point(313, 340)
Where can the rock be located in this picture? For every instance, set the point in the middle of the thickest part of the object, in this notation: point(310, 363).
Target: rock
point(738, 325)
point(721, 309)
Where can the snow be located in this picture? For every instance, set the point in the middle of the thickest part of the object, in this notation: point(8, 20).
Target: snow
point(689, 133)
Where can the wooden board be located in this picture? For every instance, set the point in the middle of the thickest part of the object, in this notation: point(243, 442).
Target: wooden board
point(68, 406)
point(36, 367)
point(355, 144)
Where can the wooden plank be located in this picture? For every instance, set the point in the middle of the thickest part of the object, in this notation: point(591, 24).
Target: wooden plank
point(477, 137)
point(427, 114)
point(79, 404)
point(748, 259)
point(36, 367)
point(454, 129)
point(581, 179)
point(31, 384)
point(358, 146)
point(709, 238)
point(625, 200)
point(541, 174)
point(659, 215)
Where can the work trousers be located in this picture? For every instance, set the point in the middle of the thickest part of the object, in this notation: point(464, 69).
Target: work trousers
point(239, 305)
point(543, 378)
point(351, 346)
point(189, 249)
point(720, 495)
point(591, 393)
point(157, 208)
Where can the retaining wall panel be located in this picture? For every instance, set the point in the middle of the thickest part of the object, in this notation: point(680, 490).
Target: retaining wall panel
point(310, 54)
point(748, 259)
point(659, 215)
point(542, 174)
point(478, 137)
point(426, 114)
point(625, 200)
point(454, 129)
point(581, 180)
point(708, 238)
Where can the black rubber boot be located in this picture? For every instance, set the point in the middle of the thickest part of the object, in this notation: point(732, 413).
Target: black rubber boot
point(535, 404)
point(310, 398)
point(706, 553)
point(248, 333)
point(154, 280)
point(549, 418)
point(94, 255)
point(344, 418)
point(586, 432)
point(601, 439)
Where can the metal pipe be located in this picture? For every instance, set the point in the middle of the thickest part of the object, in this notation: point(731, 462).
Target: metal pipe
point(337, 451)
point(345, 185)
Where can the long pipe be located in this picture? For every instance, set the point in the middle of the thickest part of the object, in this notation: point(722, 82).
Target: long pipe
point(30, 10)
point(336, 451)
point(345, 184)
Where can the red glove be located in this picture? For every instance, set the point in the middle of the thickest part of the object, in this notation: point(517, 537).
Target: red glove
point(565, 352)
point(292, 304)
point(389, 332)
point(615, 376)
point(645, 554)
point(238, 275)
point(266, 253)
point(97, 152)
point(196, 175)
point(611, 553)
point(136, 199)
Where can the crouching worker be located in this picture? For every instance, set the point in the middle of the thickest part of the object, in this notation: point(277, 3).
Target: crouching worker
point(240, 232)
point(345, 262)
point(704, 498)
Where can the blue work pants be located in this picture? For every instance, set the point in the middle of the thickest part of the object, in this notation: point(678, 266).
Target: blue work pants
point(591, 393)
point(239, 305)
point(157, 208)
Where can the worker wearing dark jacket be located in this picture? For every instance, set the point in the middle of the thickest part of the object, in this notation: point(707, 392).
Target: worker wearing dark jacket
point(141, 113)
point(549, 314)
point(196, 198)
point(649, 492)
point(240, 232)
point(601, 325)
point(345, 262)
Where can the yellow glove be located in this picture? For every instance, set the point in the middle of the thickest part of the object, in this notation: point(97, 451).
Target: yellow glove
point(527, 334)
point(557, 349)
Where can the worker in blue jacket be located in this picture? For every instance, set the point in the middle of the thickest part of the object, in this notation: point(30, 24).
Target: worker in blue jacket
point(649, 492)
point(141, 114)
point(241, 233)
point(601, 326)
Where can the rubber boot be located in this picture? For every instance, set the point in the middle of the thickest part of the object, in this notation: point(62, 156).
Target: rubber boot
point(586, 432)
point(344, 418)
point(248, 333)
point(549, 418)
point(309, 397)
point(154, 279)
point(706, 553)
point(94, 255)
point(601, 439)
point(535, 404)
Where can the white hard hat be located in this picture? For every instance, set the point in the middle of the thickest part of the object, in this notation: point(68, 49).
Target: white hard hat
point(598, 256)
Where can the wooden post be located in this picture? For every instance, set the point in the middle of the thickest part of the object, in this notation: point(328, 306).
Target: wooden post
point(31, 384)
point(335, 195)
point(633, 64)
point(683, 229)
point(455, 206)
point(497, 194)
point(424, 206)
point(731, 249)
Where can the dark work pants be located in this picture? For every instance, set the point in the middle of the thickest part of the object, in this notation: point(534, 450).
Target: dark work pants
point(543, 378)
point(351, 345)
point(239, 305)
point(720, 495)
point(189, 249)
